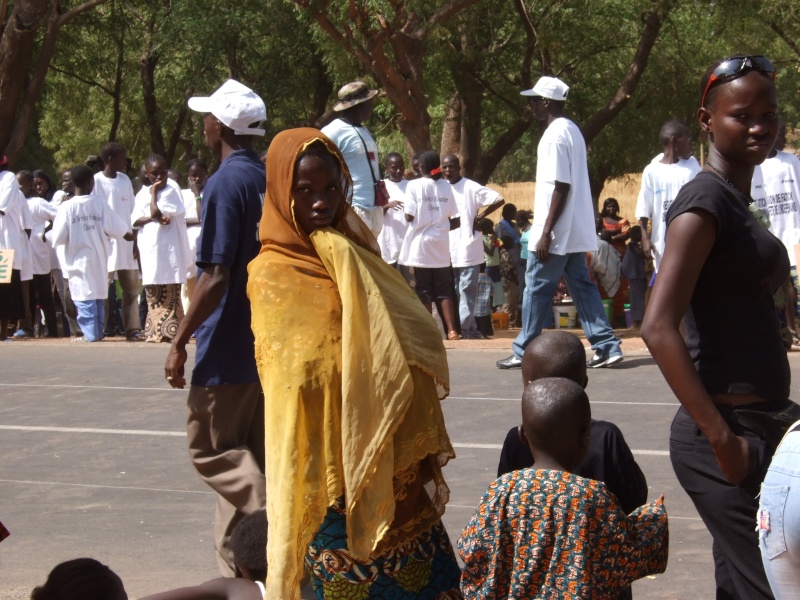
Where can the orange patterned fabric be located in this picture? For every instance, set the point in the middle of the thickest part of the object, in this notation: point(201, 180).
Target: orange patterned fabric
point(552, 534)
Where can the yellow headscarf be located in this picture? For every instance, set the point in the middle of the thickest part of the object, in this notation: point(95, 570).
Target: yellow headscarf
point(353, 370)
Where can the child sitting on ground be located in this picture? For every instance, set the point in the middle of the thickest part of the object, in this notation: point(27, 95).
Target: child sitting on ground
point(609, 459)
point(548, 533)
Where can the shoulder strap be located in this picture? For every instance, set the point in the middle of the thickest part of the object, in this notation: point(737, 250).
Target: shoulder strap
point(366, 153)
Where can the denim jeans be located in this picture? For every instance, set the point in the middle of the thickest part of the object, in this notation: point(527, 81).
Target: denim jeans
point(778, 520)
point(467, 286)
point(541, 280)
point(91, 315)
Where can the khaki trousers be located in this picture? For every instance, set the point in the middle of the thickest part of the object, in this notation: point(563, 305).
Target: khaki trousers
point(225, 430)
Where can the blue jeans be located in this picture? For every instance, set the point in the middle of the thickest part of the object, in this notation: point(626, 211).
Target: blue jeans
point(91, 314)
point(779, 519)
point(467, 286)
point(541, 280)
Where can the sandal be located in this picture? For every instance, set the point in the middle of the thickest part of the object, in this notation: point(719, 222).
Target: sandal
point(454, 335)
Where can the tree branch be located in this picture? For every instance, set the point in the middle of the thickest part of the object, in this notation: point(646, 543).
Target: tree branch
point(84, 80)
point(81, 8)
point(786, 38)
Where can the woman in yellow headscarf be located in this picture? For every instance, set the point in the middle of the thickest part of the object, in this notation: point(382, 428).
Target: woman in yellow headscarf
point(353, 371)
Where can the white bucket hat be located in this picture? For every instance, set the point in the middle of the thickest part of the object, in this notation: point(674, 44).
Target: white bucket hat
point(550, 88)
point(235, 105)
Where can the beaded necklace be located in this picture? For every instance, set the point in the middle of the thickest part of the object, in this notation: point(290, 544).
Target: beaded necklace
point(760, 215)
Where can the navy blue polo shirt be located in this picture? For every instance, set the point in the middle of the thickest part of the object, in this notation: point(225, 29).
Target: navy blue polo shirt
point(232, 201)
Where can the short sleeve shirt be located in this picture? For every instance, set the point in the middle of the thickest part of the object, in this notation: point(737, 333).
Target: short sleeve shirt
point(776, 188)
point(360, 152)
point(427, 241)
point(231, 206)
point(466, 245)
point(732, 329)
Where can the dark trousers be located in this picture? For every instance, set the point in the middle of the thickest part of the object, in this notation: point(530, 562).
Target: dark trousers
point(728, 511)
point(42, 296)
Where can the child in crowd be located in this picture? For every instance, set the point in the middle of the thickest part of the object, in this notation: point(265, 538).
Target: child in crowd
point(197, 174)
point(431, 211)
point(81, 226)
point(510, 277)
point(609, 459)
point(491, 257)
point(81, 578)
point(395, 225)
point(548, 533)
point(633, 270)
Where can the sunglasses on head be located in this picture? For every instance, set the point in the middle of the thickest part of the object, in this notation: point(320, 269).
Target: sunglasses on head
point(734, 65)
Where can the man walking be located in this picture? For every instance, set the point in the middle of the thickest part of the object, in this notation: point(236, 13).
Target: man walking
point(225, 425)
point(359, 149)
point(563, 231)
point(466, 242)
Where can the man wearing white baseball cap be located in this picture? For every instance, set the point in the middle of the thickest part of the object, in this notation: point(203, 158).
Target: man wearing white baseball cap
point(563, 231)
point(225, 424)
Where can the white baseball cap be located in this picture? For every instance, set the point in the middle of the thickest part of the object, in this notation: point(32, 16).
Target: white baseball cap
point(550, 88)
point(235, 105)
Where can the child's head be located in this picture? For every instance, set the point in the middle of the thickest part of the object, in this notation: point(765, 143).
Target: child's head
point(606, 235)
point(66, 182)
point(429, 164)
point(486, 226)
point(635, 234)
point(81, 579)
point(155, 168)
point(197, 172)
point(176, 176)
point(25, 181)
point(556, 419)
point(114, 156)
point(394, 167)
point(82, 179)
point(509, 212)
point(523, 217)
point(249, 545)
point(554, 353)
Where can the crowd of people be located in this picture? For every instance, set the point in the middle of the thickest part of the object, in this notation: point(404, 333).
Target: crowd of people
point(319, 368)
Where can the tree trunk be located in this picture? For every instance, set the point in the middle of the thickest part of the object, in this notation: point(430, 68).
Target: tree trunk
point(175, 136)
point(492, 157)
point(451, 129)
point(471, 92)
point(116, 96)
point(16, 57)
point(147, 70)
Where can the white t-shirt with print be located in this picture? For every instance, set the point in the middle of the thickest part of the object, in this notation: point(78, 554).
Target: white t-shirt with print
point(660, 185)
point(776, 189)
point(118, 194)
point(11, 220)
point(427, 242)
point(82, 226)
point(562, 157)
point(163, 249)
point(395, 225)
point(466, 245)
point(41, 212)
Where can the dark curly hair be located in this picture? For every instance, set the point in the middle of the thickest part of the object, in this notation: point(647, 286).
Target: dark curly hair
point(81, 579)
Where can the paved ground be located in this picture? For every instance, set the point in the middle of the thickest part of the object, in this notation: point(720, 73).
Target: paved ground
point(94, 461)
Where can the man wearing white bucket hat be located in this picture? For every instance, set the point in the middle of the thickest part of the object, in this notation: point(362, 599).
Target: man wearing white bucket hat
point(359, 149)
point(225, 425)
point(563, 231)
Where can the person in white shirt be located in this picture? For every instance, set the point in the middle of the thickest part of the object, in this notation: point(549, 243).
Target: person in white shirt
point(81, 226)
point(11, 307)
point(69, 312)
point(163, 250)
point(24, 323)
point(114, 187)
point(359, 149)
point(466, 242)
point(662, 179)
point(430, 210)
point(563, 231)
point(197, 174)
point(395, 225)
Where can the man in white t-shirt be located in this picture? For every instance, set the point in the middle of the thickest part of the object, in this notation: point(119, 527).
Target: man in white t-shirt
point(114, 187)
point(662, 179)
point(563, 231)
point(466, 242)
point(83, 226)
point(395, 225)
point(358, 149)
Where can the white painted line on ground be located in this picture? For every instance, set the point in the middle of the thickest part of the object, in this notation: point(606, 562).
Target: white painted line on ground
point(105, 487)
point(183, 434)
point(166, 388)
point(673, 404)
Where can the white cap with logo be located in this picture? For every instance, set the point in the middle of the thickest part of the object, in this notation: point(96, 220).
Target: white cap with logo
point(550, 88)
point(235, 105)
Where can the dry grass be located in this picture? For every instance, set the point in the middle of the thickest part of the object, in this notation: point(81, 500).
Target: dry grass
point(625, 189)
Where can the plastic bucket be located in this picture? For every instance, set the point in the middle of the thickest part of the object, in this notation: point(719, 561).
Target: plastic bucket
point(608, 306)
point(565, 316)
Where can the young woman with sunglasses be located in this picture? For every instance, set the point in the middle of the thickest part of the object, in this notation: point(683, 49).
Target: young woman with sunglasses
point(720, 268)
